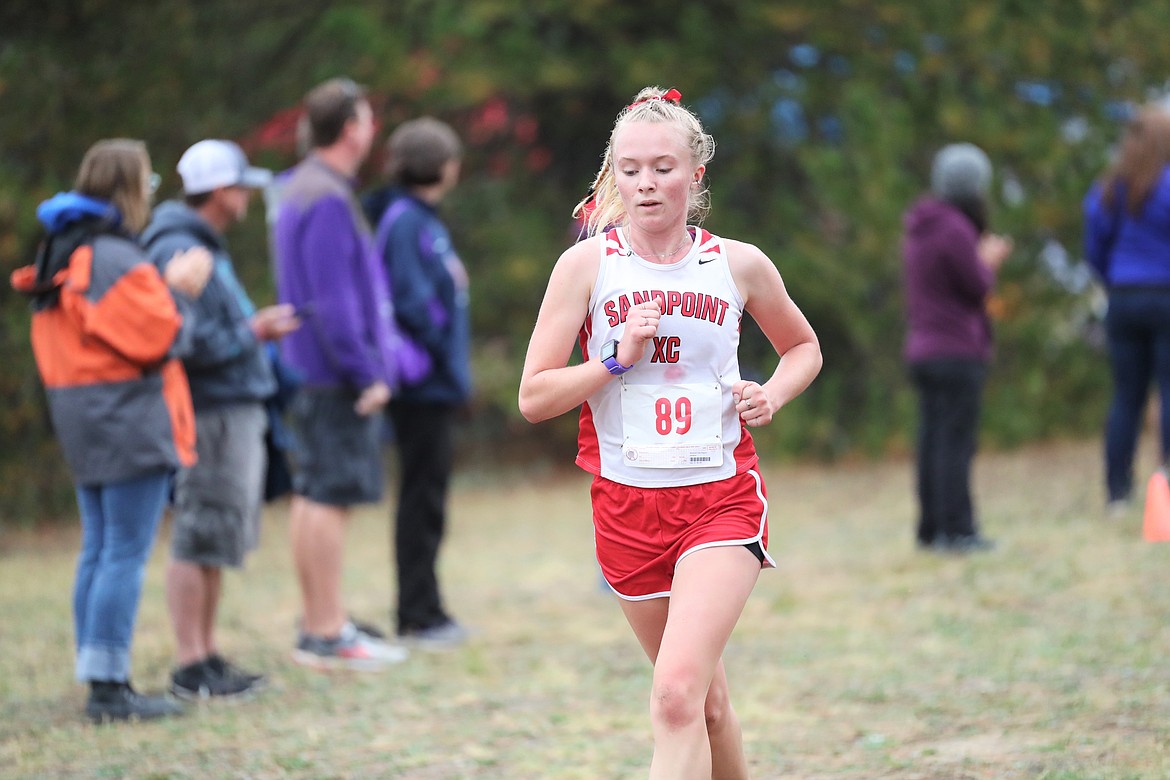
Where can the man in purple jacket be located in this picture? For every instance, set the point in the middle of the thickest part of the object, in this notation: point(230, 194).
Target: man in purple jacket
point(328, 270)
point(949, 266)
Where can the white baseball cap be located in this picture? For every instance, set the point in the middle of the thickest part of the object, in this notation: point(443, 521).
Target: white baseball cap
point(211, 164)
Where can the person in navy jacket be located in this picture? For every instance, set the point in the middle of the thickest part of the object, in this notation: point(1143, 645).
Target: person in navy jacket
point(429, 289)
point(1127, 242)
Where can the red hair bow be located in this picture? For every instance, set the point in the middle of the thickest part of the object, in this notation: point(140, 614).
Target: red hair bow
point(672, 95)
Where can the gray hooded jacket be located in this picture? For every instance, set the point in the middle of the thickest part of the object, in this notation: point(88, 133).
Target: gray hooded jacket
point(227, 364)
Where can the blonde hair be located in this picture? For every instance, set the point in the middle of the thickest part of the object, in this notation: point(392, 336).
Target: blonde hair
point(652, 104)
point(1144, 154)
point(117, 170)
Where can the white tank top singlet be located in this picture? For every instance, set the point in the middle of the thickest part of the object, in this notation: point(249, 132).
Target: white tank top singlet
point(670, 420)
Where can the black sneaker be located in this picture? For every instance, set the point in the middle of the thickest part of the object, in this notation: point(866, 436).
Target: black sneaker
point(117, 701)
point(199, 682)
point(225, 668)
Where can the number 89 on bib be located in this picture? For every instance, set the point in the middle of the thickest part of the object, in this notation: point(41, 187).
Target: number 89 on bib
point(672, 426)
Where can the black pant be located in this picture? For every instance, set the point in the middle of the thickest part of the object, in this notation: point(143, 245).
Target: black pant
point(1138, 326)
point(949, 394)
point(425, 438)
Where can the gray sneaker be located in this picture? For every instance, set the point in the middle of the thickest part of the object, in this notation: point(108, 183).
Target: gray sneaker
point(362, 626)
point(444, 636)
point(351, 649)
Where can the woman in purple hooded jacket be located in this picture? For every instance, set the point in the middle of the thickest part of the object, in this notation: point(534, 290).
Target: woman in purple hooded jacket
point(949, 266)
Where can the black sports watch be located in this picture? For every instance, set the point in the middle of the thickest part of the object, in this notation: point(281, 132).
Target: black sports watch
point(609, 358)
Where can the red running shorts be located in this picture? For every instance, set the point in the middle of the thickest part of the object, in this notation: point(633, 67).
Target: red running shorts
point(642, 533)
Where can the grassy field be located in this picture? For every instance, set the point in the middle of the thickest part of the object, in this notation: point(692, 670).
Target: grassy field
point(859, 658)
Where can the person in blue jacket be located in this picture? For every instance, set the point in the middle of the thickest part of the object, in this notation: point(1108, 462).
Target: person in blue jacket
point(216, 517)
point(429, 289)
point(1127, 242)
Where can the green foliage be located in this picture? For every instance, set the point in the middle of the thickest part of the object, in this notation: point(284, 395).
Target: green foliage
point(826, 115)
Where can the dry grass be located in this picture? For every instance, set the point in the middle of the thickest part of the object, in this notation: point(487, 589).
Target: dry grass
point(859, 658)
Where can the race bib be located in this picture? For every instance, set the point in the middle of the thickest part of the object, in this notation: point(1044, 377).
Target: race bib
point(672, 426)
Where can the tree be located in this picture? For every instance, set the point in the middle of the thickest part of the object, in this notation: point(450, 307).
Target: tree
point(826, 116)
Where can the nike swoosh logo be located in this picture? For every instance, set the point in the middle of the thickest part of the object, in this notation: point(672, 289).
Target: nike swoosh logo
point(708, 260)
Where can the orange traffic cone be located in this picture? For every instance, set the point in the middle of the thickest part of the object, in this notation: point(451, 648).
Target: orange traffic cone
point(1156, 525)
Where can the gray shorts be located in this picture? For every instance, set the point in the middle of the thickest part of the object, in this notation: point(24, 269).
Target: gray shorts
point(338, 453)
point(217, 501)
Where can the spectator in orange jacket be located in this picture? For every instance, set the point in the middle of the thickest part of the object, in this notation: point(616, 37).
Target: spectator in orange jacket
point(104, 333)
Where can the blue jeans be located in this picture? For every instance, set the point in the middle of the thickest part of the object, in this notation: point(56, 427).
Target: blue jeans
point(1138, 329)
point(118, 524)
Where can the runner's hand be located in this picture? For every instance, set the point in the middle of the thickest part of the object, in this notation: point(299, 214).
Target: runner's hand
point(641, 327)
point(752, 403)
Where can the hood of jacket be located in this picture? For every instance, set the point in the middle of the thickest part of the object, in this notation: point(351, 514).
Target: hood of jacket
point(70, 219)
point(929, 214)
point(66, 208)
point(174, 216)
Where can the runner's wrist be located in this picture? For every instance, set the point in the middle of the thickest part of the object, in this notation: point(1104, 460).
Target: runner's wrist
point(625, 358)
point(611, 358)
